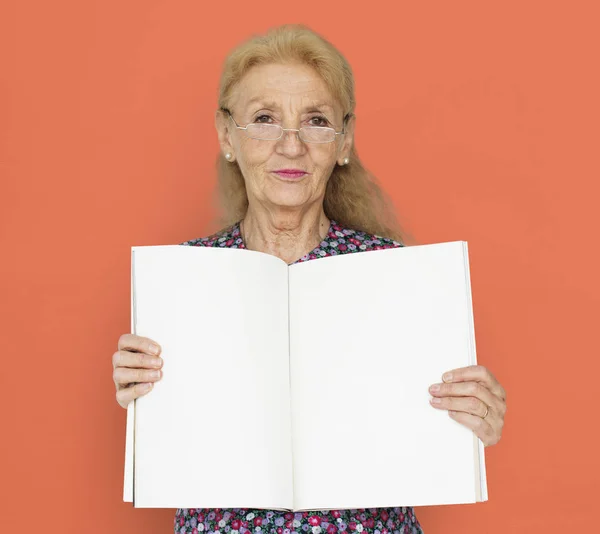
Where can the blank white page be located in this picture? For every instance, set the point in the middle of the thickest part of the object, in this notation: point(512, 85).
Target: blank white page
point(370, 332)
point(216, 430)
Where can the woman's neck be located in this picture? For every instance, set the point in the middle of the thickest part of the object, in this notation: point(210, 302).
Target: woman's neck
point(288, 236)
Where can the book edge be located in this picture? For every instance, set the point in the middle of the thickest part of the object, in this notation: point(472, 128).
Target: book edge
point(479, 450)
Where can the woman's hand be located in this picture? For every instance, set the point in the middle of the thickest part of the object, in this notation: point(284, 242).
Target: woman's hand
point(136, 366)
point(474, 398)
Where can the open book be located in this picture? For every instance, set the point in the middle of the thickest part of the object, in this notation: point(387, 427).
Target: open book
point(301, 387)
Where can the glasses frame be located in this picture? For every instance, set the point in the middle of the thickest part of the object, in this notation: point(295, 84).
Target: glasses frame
point(245, 128)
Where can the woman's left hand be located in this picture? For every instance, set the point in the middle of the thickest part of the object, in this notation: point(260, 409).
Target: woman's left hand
point(474, 398)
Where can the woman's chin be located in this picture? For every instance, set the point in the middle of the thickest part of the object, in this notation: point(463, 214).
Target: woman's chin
point(289, 195)
point(287, 202)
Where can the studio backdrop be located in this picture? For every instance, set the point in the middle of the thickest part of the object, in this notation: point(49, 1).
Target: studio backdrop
point(480, 119)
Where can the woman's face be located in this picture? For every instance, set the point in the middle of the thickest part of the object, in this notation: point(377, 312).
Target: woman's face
point(291, 96)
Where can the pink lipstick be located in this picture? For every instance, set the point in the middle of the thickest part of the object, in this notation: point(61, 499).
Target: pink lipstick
point(290, 173)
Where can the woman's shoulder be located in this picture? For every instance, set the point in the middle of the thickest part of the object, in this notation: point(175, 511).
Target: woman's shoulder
point(344, 240)
point(228, 237)
point(359, 240)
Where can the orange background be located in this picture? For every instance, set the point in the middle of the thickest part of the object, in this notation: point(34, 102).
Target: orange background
point(481, 119)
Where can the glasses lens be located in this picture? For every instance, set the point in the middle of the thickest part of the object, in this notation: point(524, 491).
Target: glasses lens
point(264, 131)
point(317, 134)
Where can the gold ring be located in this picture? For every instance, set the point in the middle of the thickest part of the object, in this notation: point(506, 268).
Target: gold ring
point(487, 410)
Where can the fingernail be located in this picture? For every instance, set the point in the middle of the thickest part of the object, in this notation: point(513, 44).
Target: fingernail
point(153, 348)
point(156, 362)
point(435, 400)
point(447, 377)
point(145, 386)
point(154, 374)
point(435, 387)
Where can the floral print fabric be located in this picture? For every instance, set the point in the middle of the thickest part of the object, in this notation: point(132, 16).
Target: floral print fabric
point(398, 520)
point(338, 240)
point(255, 521)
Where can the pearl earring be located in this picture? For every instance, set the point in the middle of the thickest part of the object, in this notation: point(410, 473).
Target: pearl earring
point(346, 161)
point(228, 156)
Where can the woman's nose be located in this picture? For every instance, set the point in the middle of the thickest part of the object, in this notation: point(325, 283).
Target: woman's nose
point(290, 141)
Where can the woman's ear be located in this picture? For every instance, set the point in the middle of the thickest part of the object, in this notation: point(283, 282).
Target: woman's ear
point(223, 126)
point(347, 140)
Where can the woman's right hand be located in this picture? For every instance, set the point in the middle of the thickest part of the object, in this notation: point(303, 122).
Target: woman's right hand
point(136, 366)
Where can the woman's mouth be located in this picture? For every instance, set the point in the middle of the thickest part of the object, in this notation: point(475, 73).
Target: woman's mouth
point(290, 174)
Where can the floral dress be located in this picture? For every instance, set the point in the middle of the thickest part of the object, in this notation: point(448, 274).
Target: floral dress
point(398, 520)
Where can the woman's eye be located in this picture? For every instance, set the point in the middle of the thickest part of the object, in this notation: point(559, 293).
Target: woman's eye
point(260, 117)
point(321, 121)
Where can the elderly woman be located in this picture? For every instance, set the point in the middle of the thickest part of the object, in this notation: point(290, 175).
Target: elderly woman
point(292, 185)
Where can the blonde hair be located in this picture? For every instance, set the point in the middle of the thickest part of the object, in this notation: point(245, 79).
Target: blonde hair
point(352, 198)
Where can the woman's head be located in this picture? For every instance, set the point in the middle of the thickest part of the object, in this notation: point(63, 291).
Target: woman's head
point(293, 78)
point(287, 95)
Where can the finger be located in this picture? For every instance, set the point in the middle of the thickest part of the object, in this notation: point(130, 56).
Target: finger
point(126, 395)
point(469, 405)
point(476, 373)
point(124, 376)
point(466, 389)
point(134, 343)
point(481, 427)
point(123, 358)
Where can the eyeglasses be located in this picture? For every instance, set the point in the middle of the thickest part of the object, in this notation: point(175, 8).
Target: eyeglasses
point(273, 132)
